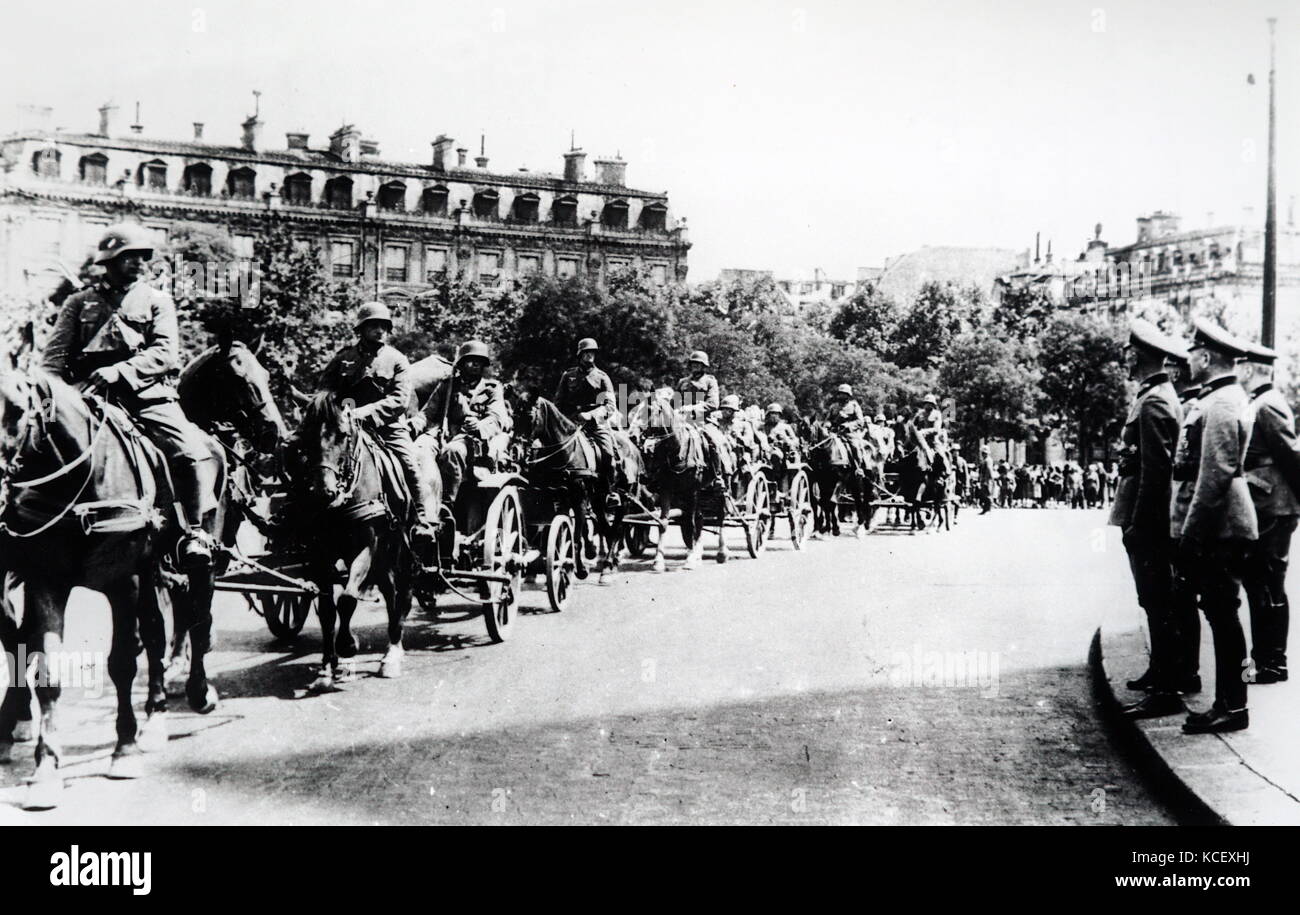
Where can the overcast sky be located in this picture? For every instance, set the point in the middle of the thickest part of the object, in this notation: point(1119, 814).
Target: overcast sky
point(791, 135)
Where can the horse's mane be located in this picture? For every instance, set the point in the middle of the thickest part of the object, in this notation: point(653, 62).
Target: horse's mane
point(552, 425)
point(324, 410)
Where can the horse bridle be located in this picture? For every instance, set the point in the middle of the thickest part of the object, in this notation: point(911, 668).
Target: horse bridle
point(347, 470)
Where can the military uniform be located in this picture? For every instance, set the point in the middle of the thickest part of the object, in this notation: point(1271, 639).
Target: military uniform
point(699, 399)
point(134, 331)
point(848, 421)
point(1212, 517)
point(377, 379)
point(590, 391)
point(457, 401)
point(1273, 473)
point(1141, 511)
point(742, 435)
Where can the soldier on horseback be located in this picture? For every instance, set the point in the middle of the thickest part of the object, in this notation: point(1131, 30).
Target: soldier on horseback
point(471, 411)
point(699, 396)
point(119, 337)
point(586, 397)
point(847, 420)
point(374, 376)
point(738, 429)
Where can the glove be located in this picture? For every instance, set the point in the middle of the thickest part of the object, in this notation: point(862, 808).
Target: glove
point(104, 378)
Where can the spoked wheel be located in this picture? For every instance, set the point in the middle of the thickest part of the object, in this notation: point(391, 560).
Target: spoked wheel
point(503, 552)
point(758, 509)
point(800, 509)
point(637, 540)
point(285, 614)
point(559, 561)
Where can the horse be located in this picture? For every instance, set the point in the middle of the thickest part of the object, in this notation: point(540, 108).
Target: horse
point(348, 511)
point(832, 467)
point(559, 459)
point(675, 467)
point(916, 462)
point(87, 503)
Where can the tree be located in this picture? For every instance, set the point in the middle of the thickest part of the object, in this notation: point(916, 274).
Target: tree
point(939, 313)
point(868, 319)
point(1083, 373)
point(994, 384)
point(1023, 311)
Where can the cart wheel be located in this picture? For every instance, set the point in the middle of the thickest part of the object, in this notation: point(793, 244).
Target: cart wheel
point(559, 561)
point(503, 552)
point(758, 508)
point(637, 540)
point(285, 614)
point(800, 509)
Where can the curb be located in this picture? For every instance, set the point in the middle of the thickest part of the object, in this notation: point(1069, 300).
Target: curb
point(1190, 807)
point(1207, 779)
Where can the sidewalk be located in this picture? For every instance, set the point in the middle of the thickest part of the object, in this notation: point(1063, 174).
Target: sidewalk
point(1246, 778)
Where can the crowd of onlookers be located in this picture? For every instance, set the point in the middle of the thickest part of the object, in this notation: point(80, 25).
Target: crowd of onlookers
point(1059, 485)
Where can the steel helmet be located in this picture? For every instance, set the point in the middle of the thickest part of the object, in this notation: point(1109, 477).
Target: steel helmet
point(845, 389)
point(121, 238)
point(774, 408)
point(373, 311)
point(731, 402)
point(585, 344)
point(701, 357)
point(880, 416)
point(931, 400)
point(472, 348)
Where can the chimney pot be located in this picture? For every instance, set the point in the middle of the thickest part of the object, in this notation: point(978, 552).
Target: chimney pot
point(296, 140)
point(198, 130)
point(252, 127)
point(106, 118)
point(574, 161)
point(441, 146)
point(461, 153)
point(481, 161)
point(611, 171)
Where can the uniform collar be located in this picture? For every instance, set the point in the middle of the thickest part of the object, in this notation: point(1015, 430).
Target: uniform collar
point(1262, 389)
point(1152, 380)
point(1221, 382)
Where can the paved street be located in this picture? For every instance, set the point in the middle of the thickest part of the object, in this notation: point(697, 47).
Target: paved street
point(930, 680)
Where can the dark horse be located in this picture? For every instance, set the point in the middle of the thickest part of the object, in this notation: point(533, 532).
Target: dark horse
point(833, 468)
point(675, 467)
point(350, 510)
point(561, 460)
point(917, 474)
point(84, 507)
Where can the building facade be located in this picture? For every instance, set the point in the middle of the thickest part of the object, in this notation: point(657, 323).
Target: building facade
point(396, 227)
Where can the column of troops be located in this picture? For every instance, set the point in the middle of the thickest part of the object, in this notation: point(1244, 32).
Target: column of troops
point(1207, 502)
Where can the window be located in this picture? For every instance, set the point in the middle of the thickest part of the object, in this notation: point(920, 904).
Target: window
point(45, 163)
point(93, 169)
point(338, 193)
point(392, 197)
point(654, 216)
point(525, 208)
point(91, 233)
point(614, 216)
point(566, 267)
point(659, 274)
point(434, 201)
point(44, 237)
point(242, 184)
point(395, 263)
point(197, 180)
point(342, 258)
point(618, 263)
point(489, 265)
point(529, 264)
point(564, 212)
point(152, 176)
point(243, 245)
point(485, 204)
point(435, 264)
point(297, 190)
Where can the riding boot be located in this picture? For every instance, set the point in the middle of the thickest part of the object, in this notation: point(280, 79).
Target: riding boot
point(195, 548)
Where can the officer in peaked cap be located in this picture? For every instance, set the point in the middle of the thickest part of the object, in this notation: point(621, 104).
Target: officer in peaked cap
point(1141, 510)
point(1212, 518)
point(585, 395)
point(1273, 473)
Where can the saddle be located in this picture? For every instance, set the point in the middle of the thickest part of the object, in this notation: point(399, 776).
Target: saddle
point(396, 498)
point(841, 454)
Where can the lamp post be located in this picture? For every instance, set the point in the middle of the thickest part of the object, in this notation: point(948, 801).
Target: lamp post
point(1270, 211)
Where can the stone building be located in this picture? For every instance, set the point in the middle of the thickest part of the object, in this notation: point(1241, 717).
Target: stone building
point(397, 227)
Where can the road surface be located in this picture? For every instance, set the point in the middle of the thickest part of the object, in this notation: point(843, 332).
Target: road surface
point(936, 679)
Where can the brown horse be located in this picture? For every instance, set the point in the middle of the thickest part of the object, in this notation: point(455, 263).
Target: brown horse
point(348, 510)
point(83, 507)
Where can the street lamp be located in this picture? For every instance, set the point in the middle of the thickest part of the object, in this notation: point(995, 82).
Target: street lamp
point(1270, 211)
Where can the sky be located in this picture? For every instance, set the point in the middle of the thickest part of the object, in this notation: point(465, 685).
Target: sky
point(790, 135)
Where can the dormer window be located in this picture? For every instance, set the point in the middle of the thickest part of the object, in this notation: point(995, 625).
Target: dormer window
point(564, 212)
point(614, 216)
point(152, 176)
point(433, 202)
point(197, 180)
point(45, 163)
point(392, 197)
point(525, 208)
point(338, 193)
point(242, 184)
point(297, 190)
point(654, 216)
point(93, 169)
point(485, 204)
